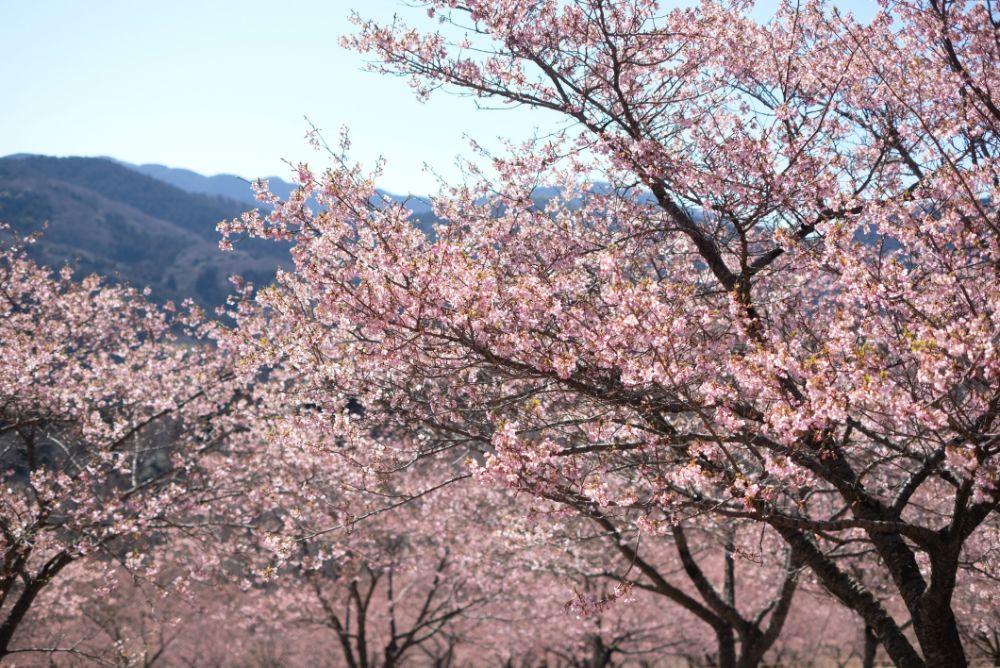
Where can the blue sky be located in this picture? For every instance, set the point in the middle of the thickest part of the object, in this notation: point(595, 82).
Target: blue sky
point(222, 86)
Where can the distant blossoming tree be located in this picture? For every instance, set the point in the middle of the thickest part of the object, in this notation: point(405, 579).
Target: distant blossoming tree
point(329, 545)
point(766, 288)
point(105, 414)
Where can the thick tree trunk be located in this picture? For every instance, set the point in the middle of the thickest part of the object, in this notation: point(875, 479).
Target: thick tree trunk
point(600, 655)
point(20, 608)
point(748, 660)
point(14, 618)
point(871, 648)
point(934, 621)
point(727, 647)
point(854, 595)
point(751, 652)
point(391, 656)
point(937, 632)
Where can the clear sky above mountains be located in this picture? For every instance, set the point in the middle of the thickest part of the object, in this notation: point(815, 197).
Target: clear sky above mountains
point(223, 86)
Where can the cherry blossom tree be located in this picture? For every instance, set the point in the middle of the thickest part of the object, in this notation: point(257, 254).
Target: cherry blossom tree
point(313, 452)
point(405, 586)
point(765, 289)
point(381, 570)
point(107, 406)
point(109, 616)
point(744, 631)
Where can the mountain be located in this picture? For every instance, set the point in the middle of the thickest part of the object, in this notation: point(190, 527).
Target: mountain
point(228, 186)
point(104, 217)
point(237, 188)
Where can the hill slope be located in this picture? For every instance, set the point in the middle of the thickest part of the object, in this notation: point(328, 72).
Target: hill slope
point(104, 217)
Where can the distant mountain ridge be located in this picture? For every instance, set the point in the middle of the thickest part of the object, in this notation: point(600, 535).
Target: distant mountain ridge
point(229, 186)
point(238, 188)
point(111, 219)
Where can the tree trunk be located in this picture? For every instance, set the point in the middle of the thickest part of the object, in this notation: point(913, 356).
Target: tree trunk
point(857, 598)
point(933, 619)
point(871, 648)
point(727, 647)
point(20, 608)
point(600, 655)
point(751, 652)
point(937, 632)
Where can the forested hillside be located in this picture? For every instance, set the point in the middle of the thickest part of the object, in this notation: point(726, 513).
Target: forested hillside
point(100, 216)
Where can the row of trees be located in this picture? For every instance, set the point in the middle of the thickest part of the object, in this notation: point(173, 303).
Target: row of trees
point(731, 394)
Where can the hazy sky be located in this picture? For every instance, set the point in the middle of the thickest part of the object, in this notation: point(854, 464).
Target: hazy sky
point(221, 86)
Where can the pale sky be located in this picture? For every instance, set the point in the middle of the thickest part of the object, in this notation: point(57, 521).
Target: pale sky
point(222, 86)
